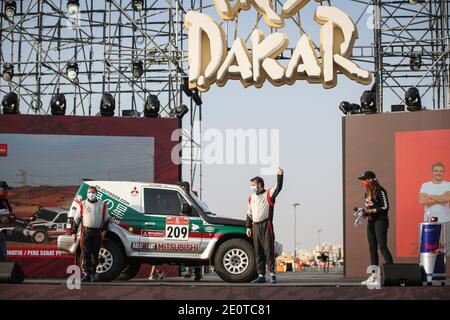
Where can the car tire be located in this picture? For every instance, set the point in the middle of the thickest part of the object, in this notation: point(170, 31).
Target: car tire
point(234, 261)
point(129, 272)
point(111, 259)
point(39, 236)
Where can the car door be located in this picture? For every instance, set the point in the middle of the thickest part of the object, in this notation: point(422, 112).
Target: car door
point(60, 224)
point(168, 232)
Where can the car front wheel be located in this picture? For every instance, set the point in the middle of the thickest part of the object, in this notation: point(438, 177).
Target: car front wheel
point(111, 261)
point(235, 261)
point(39, 236)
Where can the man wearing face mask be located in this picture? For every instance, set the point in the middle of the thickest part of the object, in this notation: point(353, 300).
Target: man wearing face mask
point(260, 225)
point(92, 216)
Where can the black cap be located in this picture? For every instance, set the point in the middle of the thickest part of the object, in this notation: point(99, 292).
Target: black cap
point(4, 185)
point(367, 175)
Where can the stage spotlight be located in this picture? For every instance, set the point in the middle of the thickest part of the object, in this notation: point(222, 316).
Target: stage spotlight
point(185, 87)
point(345, 107)
point(197, 99)
point(58, 104)
point(152, 105)
point(138, 68)
point(415, 61)
point(350, 108)
point(8, 71)
point(368, 102)
point(73, 6)
point(10, 103)
point(10, 8)
point(412, 99)
point(137, 5)
point(107, 105)
point(72, 70)
point(180, 111)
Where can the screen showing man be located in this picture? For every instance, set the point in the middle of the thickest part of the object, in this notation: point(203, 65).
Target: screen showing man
point(435, 196)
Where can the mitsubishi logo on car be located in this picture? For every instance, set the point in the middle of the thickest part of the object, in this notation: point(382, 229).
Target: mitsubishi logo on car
point(134, 192)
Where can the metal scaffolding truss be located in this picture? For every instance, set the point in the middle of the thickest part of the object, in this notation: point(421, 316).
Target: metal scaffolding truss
point(104, 38)
point(406, 32)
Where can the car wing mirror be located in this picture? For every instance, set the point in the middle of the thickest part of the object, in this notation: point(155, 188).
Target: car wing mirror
point(186, 209)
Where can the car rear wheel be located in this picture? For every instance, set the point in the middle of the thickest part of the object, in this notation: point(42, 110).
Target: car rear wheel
point(129, 272)
point(111, 261)
point(235, 261)
point(39, 236)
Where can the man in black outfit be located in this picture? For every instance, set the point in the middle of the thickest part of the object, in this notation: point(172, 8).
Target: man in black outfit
point(376, 207)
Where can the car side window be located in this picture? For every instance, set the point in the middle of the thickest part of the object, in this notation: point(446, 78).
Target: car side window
point(62, 218)
point(163, 202)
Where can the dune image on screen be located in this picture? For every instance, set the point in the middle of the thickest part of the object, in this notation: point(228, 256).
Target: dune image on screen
point(416, 152)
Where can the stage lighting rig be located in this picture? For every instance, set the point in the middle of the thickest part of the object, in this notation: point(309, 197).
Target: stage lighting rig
point(415, 61)
point(73, 6)
point(368, 104)
point(10, 103)
point(137, 68)
point(152, 106)
point(58, 104)
point(10, 8)
point(180, 111)
point(8, 71)
point(350, 108)
point(137, 5)
point(107, 105)
point(72, 70)
point(412, 99)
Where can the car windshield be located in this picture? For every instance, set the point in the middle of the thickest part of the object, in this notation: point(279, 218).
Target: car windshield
point(201, 204)
point(45, 215)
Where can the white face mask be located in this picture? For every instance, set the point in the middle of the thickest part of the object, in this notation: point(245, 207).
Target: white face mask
point(91, 196)
point(254, 188)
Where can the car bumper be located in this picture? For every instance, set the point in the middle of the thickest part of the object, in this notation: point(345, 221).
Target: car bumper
point(66, 243)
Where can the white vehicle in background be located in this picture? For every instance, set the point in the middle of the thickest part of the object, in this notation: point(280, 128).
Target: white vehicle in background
point(45, 224)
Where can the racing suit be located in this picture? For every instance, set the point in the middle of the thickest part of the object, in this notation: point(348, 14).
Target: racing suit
point(93, 218)
point(260, 219)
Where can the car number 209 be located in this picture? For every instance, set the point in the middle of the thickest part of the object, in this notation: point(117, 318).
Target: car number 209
point(177, 232)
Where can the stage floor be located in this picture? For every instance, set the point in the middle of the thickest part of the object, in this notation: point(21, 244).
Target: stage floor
point(309, 286)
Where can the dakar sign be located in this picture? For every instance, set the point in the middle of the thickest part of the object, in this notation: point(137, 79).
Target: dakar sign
point(210, 61)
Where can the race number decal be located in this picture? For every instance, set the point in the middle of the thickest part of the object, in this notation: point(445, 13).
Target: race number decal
point(177, 228)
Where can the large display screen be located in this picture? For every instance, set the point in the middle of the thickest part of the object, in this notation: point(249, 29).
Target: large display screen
point(416, 153)
point(46, 158)
point(401, 148)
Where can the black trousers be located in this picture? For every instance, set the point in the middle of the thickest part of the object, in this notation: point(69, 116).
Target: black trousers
point(377, 236)
point(264, 241)
point(90, 248)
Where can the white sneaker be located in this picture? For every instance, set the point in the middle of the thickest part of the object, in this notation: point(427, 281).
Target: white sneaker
point(372, 280)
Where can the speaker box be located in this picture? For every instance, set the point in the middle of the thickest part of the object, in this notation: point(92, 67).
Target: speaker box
point(11, 272)
point(402, 274)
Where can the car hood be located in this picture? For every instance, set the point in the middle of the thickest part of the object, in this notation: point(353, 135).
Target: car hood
point(38, 221)
point(224, 220)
